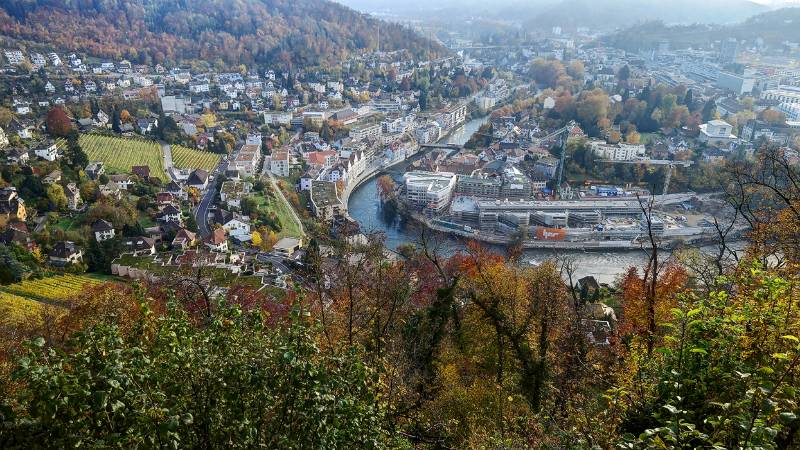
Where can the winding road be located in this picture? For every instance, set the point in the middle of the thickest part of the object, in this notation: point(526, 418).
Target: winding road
point(201, 213)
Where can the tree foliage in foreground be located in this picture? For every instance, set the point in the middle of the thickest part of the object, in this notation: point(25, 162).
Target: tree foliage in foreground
point(171, 383)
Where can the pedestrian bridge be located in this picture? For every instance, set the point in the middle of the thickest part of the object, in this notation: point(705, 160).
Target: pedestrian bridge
point(444, 146)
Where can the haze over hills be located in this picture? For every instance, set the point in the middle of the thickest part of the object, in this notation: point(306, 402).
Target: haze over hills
point(773, 27)
point(597, 15)
point(619, 13)
point(292, 32)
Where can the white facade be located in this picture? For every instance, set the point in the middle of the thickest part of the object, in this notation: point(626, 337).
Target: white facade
point(430, 190)
point(371, 132)
point(48, 152)
point(279, 163)
point(617, 152)
point(784, 94)
point(716, 132)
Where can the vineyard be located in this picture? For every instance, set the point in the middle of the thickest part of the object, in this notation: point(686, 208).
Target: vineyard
point(120, 154)
point(51, 290)
point(189, 158)
point(15, 309)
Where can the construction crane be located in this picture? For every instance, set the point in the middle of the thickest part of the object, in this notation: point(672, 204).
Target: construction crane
point(654, 162)
point(563, 144)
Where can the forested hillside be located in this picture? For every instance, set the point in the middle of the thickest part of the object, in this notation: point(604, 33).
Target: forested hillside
point(291, 32)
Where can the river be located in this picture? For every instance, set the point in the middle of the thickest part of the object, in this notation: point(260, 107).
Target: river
point(365, 208)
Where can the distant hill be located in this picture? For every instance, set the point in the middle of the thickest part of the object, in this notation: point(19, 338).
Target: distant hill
point(773, 27)
point(610, 14)
point(231, 32)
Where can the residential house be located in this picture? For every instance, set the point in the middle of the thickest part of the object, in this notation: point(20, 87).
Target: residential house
point(17, 233)
point(287, 246)
point(65, 253)
point(141, 246)
point(177, 191)
point(232, 192)
point(103, 230)
point(235, 224)
point(123, 180)
point(184, 239)
point(146, 126)
point(279, 163)
point(74, 200)
point(216, 241)
point(95, 169)
point(170, 213)
point(716, 132)
point(142, 172)
point(18, 156)
point(110, 190)
point(12, 206)
point(198, 179)
point(101, 119)
point(47, 151)
point(164, 198)
point(52, 178)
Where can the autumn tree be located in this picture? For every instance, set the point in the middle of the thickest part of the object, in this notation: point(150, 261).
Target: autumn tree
point(58, 123)
point(58, 200)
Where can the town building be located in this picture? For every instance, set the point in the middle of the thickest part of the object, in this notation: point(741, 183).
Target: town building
point(431, 191)
point(716, 132)
point(617, 152)
point(279, 163)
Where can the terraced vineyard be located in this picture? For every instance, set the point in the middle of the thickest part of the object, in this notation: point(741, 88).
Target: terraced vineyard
point(15, 309)
point(50, 290)
point(120, 154)
point(189, 158)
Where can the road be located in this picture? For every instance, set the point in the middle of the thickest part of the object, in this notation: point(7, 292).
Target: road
point(201, 213)
point(166, 150)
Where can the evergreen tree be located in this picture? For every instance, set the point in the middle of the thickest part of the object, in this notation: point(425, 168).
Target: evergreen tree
point(709, 110)
point(688, 100)
point(115, 121)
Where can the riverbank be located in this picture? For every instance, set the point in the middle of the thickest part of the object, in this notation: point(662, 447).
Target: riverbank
point(455, 134)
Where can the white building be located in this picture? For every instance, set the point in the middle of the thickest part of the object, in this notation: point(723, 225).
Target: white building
point(784, 94)
point(617, 152)
point(791, 110)
point(38, 60)
point(429, 190)
point(279, 163)
point(716, 132)
point(14, 57)
point(48, 151)
point(277, 118)
point(54, 59)
point(369, 131)
point(173, 104)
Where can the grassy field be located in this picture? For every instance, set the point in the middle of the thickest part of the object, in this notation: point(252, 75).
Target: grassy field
point(273, 203)
point(120, 154)
point(189, 158)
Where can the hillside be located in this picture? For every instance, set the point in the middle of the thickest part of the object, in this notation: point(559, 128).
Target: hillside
point(233, 32)
point(607, 15)
point(773, 27)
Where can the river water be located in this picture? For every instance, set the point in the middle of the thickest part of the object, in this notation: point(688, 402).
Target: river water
point(364, 207)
